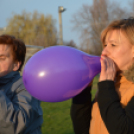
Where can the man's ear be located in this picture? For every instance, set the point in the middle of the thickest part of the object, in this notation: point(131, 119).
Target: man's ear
point(16, 65)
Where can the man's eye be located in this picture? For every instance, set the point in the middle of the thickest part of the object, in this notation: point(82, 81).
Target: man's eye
point(2, 58)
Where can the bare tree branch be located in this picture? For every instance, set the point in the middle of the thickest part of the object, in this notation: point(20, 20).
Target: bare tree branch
point(91, 20)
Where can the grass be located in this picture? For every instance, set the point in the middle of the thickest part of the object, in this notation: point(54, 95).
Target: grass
point(57, 118)
point(57, 115)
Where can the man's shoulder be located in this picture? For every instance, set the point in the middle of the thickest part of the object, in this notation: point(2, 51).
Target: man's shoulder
point(18, 85)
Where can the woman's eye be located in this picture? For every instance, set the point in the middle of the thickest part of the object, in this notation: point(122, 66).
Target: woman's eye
point(113, 45)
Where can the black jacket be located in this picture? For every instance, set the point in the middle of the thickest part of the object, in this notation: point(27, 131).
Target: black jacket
point(118, 120)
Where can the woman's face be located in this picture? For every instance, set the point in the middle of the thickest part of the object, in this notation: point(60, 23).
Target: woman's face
point(118, 48)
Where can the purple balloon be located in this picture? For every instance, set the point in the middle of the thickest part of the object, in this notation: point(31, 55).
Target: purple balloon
point(59, 73)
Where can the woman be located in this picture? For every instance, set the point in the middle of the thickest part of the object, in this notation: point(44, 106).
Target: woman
point(113, 109)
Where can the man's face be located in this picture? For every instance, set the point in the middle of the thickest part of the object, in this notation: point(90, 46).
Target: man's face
point(7, 63)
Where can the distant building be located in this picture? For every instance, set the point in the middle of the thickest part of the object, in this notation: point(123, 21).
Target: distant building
point(2, 30)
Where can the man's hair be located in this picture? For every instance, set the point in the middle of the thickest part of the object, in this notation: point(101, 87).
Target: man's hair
point(18, 48)
point(126, 26)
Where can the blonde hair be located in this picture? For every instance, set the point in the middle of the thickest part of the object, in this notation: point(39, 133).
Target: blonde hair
point(126, 26)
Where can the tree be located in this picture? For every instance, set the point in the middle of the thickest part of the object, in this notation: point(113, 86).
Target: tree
point(91, 20)
point(33, 29)
point(70, 44)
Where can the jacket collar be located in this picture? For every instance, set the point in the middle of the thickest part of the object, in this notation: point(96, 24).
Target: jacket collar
point(129, 74)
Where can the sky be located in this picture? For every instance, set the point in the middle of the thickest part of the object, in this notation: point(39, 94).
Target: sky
point(47, 7)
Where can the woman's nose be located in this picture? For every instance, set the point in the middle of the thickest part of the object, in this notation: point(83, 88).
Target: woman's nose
point(105, 51)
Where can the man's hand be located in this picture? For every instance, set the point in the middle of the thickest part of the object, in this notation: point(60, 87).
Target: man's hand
point(90, 84)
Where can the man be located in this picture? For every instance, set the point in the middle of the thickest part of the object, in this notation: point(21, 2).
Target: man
point(20, 113)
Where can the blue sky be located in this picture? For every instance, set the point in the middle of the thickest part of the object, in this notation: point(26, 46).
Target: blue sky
point(8, 7)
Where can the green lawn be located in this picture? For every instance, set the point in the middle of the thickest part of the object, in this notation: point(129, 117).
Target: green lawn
point(57, 115)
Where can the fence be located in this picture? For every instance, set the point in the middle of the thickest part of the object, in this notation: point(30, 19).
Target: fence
point(30, 51)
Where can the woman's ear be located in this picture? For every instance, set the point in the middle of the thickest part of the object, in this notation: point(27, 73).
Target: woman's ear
point(16, 66)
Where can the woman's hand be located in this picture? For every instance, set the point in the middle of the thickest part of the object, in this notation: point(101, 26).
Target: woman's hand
point(108, 69)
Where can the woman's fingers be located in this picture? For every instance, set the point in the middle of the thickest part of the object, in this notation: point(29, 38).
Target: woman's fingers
point(111, 71)
point(108, 69)
point(103, 64)
point(103, 69)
